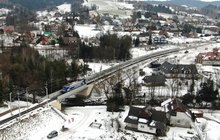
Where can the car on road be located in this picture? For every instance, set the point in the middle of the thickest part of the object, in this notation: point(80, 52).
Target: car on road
point(52, 134)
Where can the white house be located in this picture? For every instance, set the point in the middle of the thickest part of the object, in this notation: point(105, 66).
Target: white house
point(179, 114)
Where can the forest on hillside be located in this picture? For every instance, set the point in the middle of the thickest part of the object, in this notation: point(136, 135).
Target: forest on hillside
point(35, 4)
point(24, 67)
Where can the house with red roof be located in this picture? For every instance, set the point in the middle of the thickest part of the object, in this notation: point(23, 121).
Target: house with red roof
point(209, 58)
point(9, 29)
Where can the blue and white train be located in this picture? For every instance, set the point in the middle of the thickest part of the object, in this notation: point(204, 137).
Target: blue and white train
point(71, 86)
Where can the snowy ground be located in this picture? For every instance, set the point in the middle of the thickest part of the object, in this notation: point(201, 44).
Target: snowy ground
point(34, 126)
point(87, 120)
point(209, 129)
point(95, 123)
point(13, 107)
point(86, 31)
point(85, 116)
point(3, 109)
point(98, 67)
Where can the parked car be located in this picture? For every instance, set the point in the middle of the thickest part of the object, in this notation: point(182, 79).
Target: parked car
point(52, 134)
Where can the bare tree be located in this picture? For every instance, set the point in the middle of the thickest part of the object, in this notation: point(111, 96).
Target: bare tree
point(172, 86)
point(107, 85)
point(131, 88)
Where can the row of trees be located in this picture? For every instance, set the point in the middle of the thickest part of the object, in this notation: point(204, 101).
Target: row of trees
point(207, 93)
point(111, 47)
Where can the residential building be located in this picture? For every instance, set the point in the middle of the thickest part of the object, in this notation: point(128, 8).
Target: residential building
point(70, 40)
point(160, 40)
point(9, 29)
point(154, 80)
point(147, 120)
point(144, 38)
point(179, 114)
point(178, 70)
point(209, 58)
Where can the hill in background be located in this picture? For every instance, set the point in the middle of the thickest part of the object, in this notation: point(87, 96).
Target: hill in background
point(190, 3)
point(34, 4)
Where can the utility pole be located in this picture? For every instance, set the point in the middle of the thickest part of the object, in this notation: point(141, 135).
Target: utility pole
point(51, 79)
point(27, 95)
point(46, 93)
point(10, 103)
point(19, 105)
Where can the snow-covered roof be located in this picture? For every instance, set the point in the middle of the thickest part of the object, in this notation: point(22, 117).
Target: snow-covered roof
point(142, 120)
point(166, 102)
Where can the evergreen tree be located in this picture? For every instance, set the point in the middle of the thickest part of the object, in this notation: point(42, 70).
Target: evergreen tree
point(137, 42)
point(207, 92)
point(74, 70)
point(188, 98)
point(150, 40)
point(139, 14)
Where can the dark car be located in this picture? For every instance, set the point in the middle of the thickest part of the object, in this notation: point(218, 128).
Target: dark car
point(52, 134)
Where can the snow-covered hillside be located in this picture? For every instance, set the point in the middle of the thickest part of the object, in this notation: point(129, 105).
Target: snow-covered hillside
point(64, 8)
point(124, 10)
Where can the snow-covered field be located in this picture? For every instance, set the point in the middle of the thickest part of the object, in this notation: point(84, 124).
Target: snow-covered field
point(86, 31)
point(98, 67)
point(64, 8)
point(124, 10)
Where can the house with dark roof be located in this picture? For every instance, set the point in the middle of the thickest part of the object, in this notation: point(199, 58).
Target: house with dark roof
point(179, 114)
point(154, 80)
point(143, 38)
point(147, 120)
point(178, 70)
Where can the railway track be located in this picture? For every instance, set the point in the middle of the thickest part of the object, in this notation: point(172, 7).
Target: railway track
point(24, 112)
